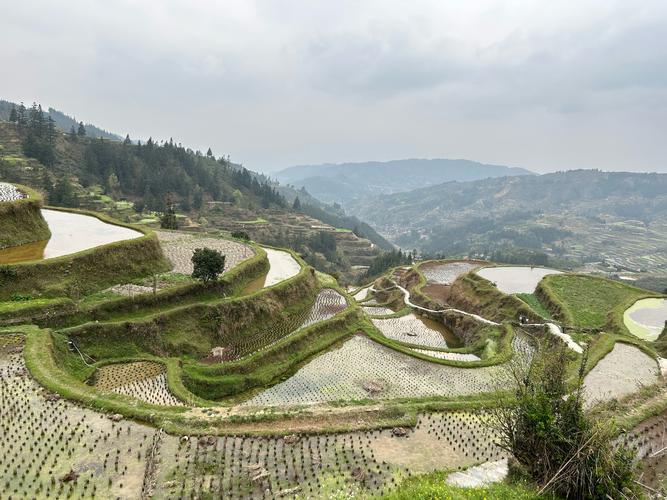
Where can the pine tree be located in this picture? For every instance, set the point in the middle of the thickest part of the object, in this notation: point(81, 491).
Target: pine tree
point(13, 115)
point(297, 204)
point(127, 140)
point(72, 134)
point(209, 153)
point(81, 132)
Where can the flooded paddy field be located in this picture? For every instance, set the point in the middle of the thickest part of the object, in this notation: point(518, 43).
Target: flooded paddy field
point(85, 454)
point(646, 318)
point(621, 372)
point(515, 279)
point(70, 233)
point(414, 329)
point(363, 369)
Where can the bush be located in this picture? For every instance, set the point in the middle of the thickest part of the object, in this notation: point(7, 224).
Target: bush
point(552, 439)
point(241, 235)
point(208, 264)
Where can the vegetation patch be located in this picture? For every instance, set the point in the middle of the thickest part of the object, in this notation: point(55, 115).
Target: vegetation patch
point(587, 301)
point(21, 220)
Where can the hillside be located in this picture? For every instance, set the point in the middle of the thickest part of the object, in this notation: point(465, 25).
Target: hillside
point(581, 216)
point(347, 181)
point(138, 182)
point(63, 122)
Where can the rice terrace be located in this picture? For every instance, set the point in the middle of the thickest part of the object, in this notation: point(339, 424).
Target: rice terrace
point(333, 250)
point(273, 380)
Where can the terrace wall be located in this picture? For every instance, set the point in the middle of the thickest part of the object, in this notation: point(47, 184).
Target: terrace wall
point(21, 221)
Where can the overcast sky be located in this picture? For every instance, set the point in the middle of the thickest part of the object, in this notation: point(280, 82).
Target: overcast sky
point(546, 85)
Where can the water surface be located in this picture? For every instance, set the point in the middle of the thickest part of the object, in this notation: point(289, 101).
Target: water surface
point(515, 279)
point(70, 233)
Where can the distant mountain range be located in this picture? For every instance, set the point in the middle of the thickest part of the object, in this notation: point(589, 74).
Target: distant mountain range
point(63, 122)
point(579, 215)
point(345, 182)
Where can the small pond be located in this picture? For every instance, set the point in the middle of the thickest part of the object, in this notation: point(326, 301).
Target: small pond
point(646, 318)
point(515, 279)
point(70, 233)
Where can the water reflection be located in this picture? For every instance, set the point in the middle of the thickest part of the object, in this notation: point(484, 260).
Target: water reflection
point(70, 233)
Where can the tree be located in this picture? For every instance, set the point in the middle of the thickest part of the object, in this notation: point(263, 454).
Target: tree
point(297, 204)
point(81, 132)
point(13, 115)
point(207, 264)
point(127, 140)
point(209, 153)
point(168, 220)
point(552, 439)
point(72, 134)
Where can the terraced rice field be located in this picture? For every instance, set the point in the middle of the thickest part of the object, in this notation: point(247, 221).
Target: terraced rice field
point(515, 279)
point(179, 247)
point(377, 310)
point(446, 273)
point(414, 330)
point(8, 192)
point(452, 356)
point(321, 466)
point(70, 233)
point(646, 318)
point(362, 294)
point(327, 304)
point(362, 369)
point(283, 266)
point(51, 448)
point(144, 380)
point(620, 373)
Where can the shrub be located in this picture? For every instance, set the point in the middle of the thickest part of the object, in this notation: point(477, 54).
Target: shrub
point(241, 235)
point(208, 264)
point(552, 439)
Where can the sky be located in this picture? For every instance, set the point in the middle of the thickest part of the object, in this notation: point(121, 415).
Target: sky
point(539, 84)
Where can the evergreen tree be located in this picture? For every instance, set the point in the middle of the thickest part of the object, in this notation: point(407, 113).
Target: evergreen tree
point(72, 134)
point(169, 220)
point(13, 115)
point(297, 204)
point(209, 153)
point(127, 140)
point(81, 132)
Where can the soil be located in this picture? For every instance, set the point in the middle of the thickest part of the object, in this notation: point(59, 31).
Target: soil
point(437, 293)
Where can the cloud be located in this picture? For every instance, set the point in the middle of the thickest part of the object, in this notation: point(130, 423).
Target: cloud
point(546, 85)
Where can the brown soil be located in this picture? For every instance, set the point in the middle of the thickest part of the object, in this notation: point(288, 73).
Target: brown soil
point(437, 293)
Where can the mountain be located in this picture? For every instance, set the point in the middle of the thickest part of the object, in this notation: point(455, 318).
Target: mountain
point(348, 181)
point(63, 122)
point(581, 216)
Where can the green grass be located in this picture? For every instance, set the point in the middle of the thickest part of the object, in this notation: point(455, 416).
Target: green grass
point(534, 302)
point(433, 486)
point(21, 221)
point(586, 301)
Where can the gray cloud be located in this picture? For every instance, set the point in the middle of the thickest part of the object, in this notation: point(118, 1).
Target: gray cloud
point(545, 85)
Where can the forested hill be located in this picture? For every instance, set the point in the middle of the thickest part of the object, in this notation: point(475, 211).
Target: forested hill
point(138, 181)
point(579, 215)
point(63, 122)
point(348, 181)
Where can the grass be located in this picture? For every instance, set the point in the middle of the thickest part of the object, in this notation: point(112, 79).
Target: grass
point(534, 302)
point(431, 486)
point(21, 221)
point(587, 301)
